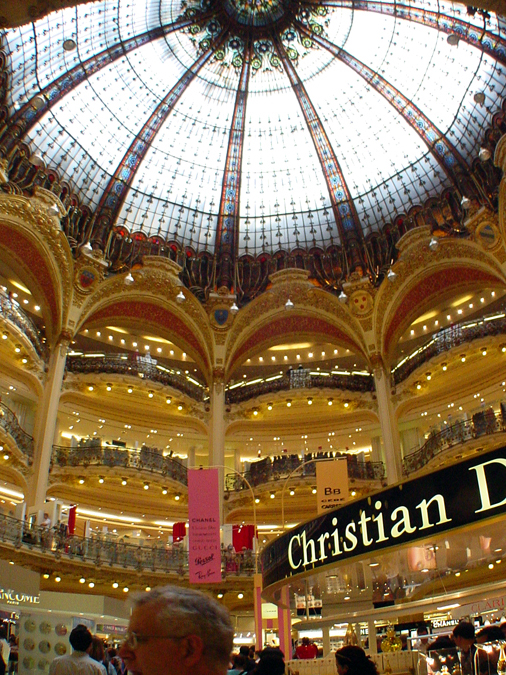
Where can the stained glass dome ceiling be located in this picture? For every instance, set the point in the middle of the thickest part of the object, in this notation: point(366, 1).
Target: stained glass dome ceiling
point(257, 124)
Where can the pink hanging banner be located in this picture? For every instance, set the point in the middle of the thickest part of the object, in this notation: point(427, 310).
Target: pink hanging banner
point(204, 526)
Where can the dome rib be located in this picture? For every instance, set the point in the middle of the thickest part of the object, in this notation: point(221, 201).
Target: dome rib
point(343, 207)
point(32, 111)
point(492, 44)
point(227, 232)
point(440, 147)
point(118, 185)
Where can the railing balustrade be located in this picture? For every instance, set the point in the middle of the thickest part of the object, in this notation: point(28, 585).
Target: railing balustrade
point(93, 453)
point(114, 551)
point(10, 310)
point(9, 422)
point(448, 338)
point(269, 470)
point(482, 423)
point(135, 365)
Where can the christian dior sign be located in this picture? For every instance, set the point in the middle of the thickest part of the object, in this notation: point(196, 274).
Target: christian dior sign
point(458, 495)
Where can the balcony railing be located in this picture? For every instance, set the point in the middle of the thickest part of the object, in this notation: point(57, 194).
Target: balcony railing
point(267, 471)
point(135, 365)
point(11, 311)
point(482, 423)
point(93, 453)
point(114, 551)
point(301, 379)
point(448, 338)
point(9, 422)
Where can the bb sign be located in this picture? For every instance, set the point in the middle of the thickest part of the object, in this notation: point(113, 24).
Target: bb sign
point(458, 495)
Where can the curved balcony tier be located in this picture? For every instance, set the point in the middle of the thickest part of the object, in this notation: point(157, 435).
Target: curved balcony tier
point(135, 365)
point(10, 312)
point(449, 338)
point(483, 423)
point(93, 453)
point(23, 441)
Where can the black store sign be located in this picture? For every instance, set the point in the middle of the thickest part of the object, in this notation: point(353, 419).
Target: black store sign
point(458, 495)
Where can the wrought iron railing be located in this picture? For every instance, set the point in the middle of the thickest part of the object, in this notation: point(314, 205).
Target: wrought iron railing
point(448, 338)
point(9, 422)
point(326, 380)
point(93, 453)
point(482, 423)
point(267, 471)
point(11, 311)
point(135, 365)
point(114, 551)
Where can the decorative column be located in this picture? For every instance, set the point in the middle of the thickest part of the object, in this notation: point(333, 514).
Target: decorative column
point(217, 429)
point(45, 422)
point(388, 422)
point(285, 623)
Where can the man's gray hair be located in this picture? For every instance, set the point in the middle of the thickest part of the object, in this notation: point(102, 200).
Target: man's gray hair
point(183, 611)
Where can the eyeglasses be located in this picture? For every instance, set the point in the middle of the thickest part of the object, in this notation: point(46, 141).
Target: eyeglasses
point(133, 640)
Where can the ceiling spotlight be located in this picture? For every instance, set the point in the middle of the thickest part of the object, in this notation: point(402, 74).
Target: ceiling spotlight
point(130, 390)
point(503, 348)
point(465, 202)
point(180, 407)
point(342, 297)
point(484, 351)
point(269, 406)
point(418, 385)
point(164, 490)
point(346, 404)
point(433, 244)
point(6, 456)
point(53, 210)
point(101, 479)
point(429, 376)
point(168, 400)
point(5, 335)
point(17, 349)
point(81, 480)
point(57, 579)
point(255, 411)
point(463, 358)
point(453, 40)
point(479, 98)
point(289, 403)
point(125, 590)
point(257, 500)
point(330, 401)
point(292, 492)
point(108, 387)
point(115, 584)
point(37, 103)
point(180, 297)
point(234, 309)
point(289, 304)
point(220, 595)
point(272, 495)
point(91, 584)
point(313, 490)
point(484, 154)
point(124, 481)
point(444, 366)
point(36, 159)
point(146, 485)
point(177, 497)
point(309, 400)
point(129, 279)
point(69, 45)
point(391, 276)
point(240, 596)
point(151, 394)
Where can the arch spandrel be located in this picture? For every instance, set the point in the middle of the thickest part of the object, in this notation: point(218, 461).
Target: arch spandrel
point(430, 277)
point(45, 266)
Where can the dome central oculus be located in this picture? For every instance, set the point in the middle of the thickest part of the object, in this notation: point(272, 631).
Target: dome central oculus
point(255, 12)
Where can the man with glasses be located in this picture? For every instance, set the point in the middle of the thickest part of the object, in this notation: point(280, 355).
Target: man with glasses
point(177, 630)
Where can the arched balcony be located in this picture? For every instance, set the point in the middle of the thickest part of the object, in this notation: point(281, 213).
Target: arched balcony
point(11, 313)
point(136, 366)
point(23, 441)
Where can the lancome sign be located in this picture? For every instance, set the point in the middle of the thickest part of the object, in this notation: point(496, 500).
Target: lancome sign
point(11, 597)
point(463, 493)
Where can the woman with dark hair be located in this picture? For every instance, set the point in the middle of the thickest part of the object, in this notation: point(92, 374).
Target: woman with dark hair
point(271, 662)
point(352, 660)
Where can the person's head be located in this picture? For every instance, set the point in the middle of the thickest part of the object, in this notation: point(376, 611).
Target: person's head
point(441, 642)
point(271, 662)
point(177, 630)
point(97, 651)
point(352, 660)
point(240, 661)
point(305, 640)
point(489, 634)
point(46, 516)
point(463, 635)
point(80, 638)
point(244, 650)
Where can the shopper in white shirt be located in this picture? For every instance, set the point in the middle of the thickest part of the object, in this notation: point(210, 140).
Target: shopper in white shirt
point(79, 662)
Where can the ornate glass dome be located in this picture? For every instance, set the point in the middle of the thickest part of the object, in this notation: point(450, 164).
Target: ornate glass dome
point(246, 127)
